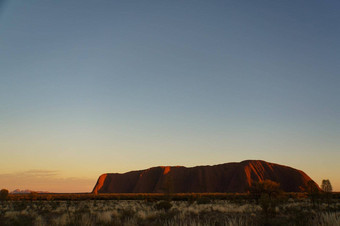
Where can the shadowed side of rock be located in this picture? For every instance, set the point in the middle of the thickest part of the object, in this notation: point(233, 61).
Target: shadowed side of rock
point(229, 177)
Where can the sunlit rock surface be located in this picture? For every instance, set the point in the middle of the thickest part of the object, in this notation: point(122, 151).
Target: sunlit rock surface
point(228, 177)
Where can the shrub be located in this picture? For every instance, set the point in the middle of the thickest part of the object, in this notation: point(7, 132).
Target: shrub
point(203, 200)
point(268, 187)
point(326, 186)
point(313, 191)
point(33, 195)
point(3, 194)
point(163, 205)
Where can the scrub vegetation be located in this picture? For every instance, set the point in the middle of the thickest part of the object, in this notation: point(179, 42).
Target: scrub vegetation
point(255, 208)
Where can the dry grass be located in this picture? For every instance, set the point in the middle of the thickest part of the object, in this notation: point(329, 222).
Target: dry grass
point(147, 211)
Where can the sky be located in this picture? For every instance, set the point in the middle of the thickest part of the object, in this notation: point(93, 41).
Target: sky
point(93, 87)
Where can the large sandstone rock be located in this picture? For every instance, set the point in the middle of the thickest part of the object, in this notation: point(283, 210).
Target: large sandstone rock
point(228, 177)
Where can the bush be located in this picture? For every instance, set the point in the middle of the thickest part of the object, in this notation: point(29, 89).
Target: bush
point(313, 192)
point(163, 205)
point(203, 200)
point(3, 194)
point(33, 195)
point(268, 187)
point(326, 186)
point(21, 219)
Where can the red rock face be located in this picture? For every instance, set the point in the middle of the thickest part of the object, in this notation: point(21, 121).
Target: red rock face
point(229, 177)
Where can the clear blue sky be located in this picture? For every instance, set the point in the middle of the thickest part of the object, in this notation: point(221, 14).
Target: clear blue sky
point(89, 87)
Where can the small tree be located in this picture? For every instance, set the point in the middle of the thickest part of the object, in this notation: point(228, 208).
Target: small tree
point(3, 194)
point(269, 187)
point(326, 186)
point(168, 187)
point(313, 191)
point(327, 189)
point(33, 195)
point(266, 194)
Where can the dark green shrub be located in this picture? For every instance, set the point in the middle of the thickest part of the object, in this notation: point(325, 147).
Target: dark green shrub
point(20, 205)
point(163, 205)
point(203, 200)
point(271, 188)
point(126, 214)
point(3, 194)
point(191, 199)
point(313, 192)
point(33, 195)
point(21, 220)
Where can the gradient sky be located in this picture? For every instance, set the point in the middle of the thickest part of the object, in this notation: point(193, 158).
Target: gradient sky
point(90, 87)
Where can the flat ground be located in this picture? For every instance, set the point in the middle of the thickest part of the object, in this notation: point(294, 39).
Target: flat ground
point(170, 209)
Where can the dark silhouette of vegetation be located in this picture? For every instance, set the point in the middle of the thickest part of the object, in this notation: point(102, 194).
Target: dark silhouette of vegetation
point(266, 194)
point(190, 197)
point(3, 194)
point(268, 187)
point(33, 195)
point(313, 192)
point(326, 186)
point(163, 205)
point(203, 200)
point(168, 187)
